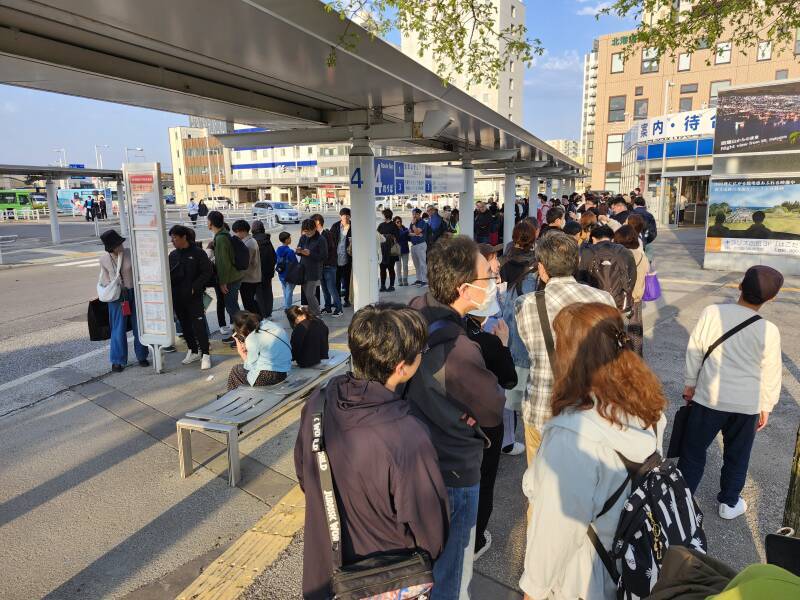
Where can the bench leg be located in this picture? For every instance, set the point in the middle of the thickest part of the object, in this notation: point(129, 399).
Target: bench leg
point(185, 451)
point(233, 458)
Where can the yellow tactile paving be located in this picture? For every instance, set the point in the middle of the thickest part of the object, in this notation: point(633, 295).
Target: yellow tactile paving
point(230, 574)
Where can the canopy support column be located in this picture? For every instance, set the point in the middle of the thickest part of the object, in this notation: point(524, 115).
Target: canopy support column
point(365, 245)
point(509, 200)
point(52, 207)
point(123, 215)
point(466, 202)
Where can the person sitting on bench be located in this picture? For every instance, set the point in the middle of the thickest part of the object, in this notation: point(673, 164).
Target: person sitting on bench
point(309, 337)
point(264, 348)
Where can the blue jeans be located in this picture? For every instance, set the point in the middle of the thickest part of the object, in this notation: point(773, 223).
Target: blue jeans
point(119, 330)
point(232, 299)
point(329, 290)
point(452, 571)
point(288, 294)
point(738, 434)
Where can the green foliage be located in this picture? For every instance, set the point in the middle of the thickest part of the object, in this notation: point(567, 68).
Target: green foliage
point(463, 36)
point(719, 207)
point(707, 22)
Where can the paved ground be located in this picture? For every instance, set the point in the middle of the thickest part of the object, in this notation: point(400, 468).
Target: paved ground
point(91, 505)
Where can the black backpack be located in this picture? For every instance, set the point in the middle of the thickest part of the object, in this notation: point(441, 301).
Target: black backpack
point(660, 512)
point(241, 254)
point(608, 271)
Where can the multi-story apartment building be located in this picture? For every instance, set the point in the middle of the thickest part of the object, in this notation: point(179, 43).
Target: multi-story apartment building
point(618, 93)
point(506, 99)
point(571, 148)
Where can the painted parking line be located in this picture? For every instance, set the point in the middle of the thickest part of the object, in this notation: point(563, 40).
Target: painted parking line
point(236, 568)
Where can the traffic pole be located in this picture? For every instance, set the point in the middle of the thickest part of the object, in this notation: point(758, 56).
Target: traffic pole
point(52, 206)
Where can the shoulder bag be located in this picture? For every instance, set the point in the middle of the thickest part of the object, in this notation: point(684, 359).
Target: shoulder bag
point(547, 333)
point(112, 291)
point(395, 574)
point(682, 416)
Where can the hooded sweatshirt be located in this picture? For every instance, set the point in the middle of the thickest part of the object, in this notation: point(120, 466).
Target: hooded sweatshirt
point(573, 475)
point(389, 492)
point(454, 394)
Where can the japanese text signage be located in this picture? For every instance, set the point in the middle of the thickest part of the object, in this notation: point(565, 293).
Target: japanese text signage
point(689, 124)
point(399, 178)
point(624, 40)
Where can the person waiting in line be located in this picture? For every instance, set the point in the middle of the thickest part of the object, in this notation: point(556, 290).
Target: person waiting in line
point(419, 247)
point(650, 226)
point(251, 277)
point(264, 349)
point(402, 239)
point(554, 221)
point(386, 479)
point(229, 278)
point(491, 335)
point(283, 256)
point(309, 337)
point(264, 296)
point(627, 237)
point(588, 222)
point(390, 233)
point(190, 271)
point(574, 229)
point(312, 250)
point(333, 300)
point(734, 388)
point(342, 234)
point(453, 224)
point(484, 223)
point(596, 415)
point(116, 264)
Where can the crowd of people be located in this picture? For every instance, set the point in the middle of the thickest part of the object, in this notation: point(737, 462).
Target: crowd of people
point(544, 329)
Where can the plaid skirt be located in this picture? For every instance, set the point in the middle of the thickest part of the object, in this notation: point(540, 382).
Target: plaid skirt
point(238, 377)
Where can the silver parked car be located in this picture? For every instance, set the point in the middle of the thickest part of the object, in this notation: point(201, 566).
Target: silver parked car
point(283, 211)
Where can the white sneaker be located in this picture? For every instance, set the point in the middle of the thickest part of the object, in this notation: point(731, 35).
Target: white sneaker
point(191, 357)
point(516, 449)
point(225, 330)
point(205, 363)
point(731, 512)
point(487, 538)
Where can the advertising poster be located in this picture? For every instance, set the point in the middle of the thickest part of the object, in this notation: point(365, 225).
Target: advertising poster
point(758, 119)
point(148, 258)
point(755, 216)
point(145, 199)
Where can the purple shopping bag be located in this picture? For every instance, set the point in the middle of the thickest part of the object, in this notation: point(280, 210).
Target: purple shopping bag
point(652, 288)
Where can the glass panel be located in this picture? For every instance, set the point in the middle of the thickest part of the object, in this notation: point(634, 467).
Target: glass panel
point(716, 86)
point(616, 109)
point(640, 109)
point(614, 148)
point(649, 60)
point(764, 51)
point(782, 74)
point(617, 64)
point(688, 88)
point(723, 53)
point(685, 104)
point(684, 61)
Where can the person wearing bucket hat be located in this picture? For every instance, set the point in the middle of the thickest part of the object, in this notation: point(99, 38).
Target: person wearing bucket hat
point(732, 383)
point(117, 263)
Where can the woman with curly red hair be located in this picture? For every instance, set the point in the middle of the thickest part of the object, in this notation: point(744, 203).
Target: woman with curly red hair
point(605, 401)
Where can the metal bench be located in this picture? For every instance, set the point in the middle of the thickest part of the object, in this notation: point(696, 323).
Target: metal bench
point(241, 411)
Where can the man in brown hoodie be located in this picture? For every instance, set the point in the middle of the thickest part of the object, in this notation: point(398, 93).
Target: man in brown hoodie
point(389, 492)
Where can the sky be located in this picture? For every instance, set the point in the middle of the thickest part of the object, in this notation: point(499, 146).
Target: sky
point(33, 124)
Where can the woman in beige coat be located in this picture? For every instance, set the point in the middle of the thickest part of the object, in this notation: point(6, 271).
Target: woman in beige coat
point(627, 236)
point(118, 259)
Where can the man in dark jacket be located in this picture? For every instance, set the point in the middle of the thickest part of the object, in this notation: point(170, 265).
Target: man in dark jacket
point(455, 395)
point(619, 210)
point(608, 266)
point(484, 221)
point(650, 227)
point(342, 235)
point(228, 276)
point(388, 488)
point(313, 251)
point(266, 251)
point(189, 272)
point(333, 301)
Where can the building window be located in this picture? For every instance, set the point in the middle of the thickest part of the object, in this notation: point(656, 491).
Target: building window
point(486, 97)
point(797, 41)
point(716, 86)
point(179, 171)
point(638, 91)
point(616, 109)
point(614, 148)
point(723, 54)
point(649, 60)
point(590, 144)
point(237, 155)
point(310, 150)
point(685, 104)
point(511, 102)
point(640, 109)
point(782, 74)
point(513, 12)
point(253, 154)
point(764, 51)
point(617, 64)
point(510, 117)
point(688, 88)
point(511, 84)
point(511, 66)
point(702, 44)
point(684, 61)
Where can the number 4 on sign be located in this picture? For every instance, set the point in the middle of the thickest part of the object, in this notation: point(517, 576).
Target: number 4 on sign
point(356, 178)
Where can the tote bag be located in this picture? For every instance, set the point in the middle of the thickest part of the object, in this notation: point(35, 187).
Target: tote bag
point(652, 287)
point(112, 291)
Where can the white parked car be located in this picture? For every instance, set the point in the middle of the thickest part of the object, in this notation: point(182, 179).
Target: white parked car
point(283, 211)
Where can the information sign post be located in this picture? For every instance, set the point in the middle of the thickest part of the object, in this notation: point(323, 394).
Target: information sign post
point(148, 240)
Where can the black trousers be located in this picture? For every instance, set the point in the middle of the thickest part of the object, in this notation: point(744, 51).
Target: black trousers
point(248, 293)
point(343, 280)
point(190, 313)
point(489, 465)
point(264, 297)
point(220, 306)
point(387, 268)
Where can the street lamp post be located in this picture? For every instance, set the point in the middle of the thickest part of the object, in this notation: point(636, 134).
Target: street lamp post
point(98, 155)
point(127, 150)
point(62, 156)
point(663, 191)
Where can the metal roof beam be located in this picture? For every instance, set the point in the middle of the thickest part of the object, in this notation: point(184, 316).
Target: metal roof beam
point(475, 155)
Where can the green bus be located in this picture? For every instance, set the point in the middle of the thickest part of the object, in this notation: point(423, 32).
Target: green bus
point(11, 200)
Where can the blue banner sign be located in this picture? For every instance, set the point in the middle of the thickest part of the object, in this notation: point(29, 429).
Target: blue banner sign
point(399, 178)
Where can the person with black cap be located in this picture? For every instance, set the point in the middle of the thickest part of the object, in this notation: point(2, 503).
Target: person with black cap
point(733, 381)
point(117, 264)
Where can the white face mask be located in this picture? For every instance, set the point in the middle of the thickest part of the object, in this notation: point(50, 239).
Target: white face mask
point(490, 295)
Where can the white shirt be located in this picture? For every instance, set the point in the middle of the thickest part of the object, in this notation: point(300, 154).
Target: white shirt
point(743, 374)
point(193, 208)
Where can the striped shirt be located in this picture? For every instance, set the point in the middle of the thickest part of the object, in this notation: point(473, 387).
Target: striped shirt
point(560, 292)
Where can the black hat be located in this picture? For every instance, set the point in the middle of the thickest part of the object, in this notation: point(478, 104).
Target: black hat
point(760, 284)
point(111, 239)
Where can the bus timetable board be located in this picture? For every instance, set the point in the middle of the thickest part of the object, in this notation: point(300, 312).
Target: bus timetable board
point(148, 241)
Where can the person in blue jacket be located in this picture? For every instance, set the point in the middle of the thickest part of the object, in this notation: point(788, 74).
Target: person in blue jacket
point(265, 351)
